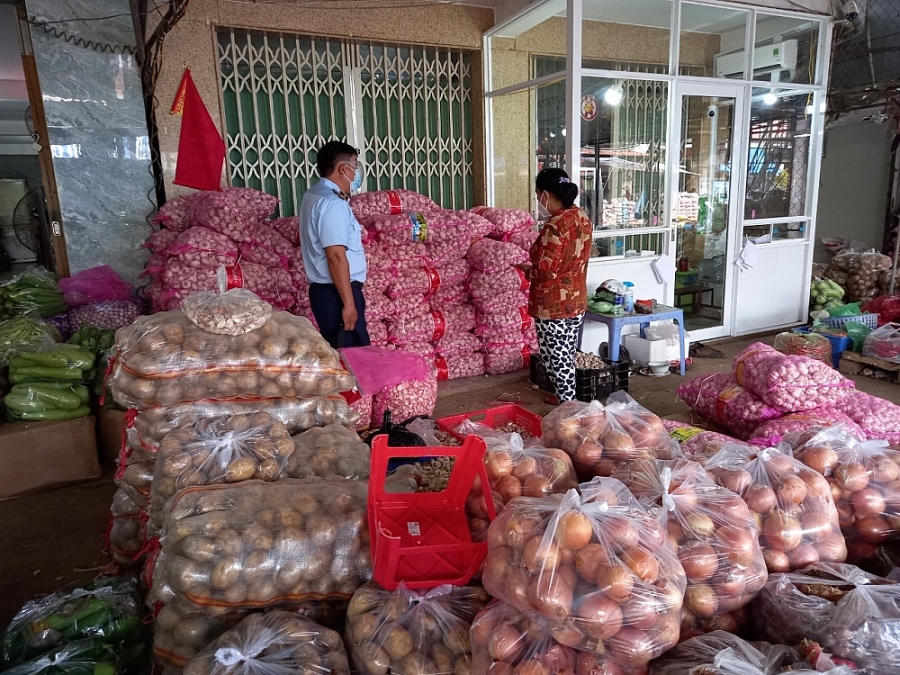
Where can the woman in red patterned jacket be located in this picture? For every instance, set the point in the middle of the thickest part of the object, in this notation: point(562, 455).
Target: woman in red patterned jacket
point(558, 275)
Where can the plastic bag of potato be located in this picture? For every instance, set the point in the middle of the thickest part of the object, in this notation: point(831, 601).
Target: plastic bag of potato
point(226, 449)
point(277, 643)
point(164, 359)
point(298, 414)
point(329, 451)
point(411, 633)
point(256, 544)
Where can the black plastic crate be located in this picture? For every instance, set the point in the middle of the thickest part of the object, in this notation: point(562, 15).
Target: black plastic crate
point(590, 385)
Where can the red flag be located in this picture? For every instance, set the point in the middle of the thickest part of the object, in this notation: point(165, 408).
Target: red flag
point(201, 150)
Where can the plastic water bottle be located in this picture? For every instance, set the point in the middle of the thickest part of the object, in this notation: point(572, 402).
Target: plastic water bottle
point(619, 305)
point(628, 300)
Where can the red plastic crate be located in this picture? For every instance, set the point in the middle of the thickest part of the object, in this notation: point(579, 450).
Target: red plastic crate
point(495, 418)
point(423, 538)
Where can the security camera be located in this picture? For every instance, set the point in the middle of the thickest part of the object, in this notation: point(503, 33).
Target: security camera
point(850, 10)
point(711, 112)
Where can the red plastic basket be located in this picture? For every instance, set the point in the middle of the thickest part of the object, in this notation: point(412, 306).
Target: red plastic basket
point(423, 538)
point(495, 418)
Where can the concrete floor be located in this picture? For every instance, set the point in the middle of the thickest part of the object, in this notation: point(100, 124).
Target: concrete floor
point(55, 539)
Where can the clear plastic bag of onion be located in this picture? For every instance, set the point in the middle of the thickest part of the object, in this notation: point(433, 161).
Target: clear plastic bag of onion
point(601, 438)
point(865, 482)
point(414, 633)
point(852, 614)
point(792, 504)
point(596, 565)
point(715, 533)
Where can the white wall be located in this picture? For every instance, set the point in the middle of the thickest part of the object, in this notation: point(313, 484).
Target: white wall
point(854, 182)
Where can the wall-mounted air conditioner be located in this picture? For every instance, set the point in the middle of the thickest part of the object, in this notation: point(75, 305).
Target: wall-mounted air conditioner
point(766, 59)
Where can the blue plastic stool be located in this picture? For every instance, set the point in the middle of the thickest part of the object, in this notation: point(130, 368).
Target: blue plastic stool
point(614, 326)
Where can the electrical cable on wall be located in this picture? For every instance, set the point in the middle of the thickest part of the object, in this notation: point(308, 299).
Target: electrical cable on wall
point(60, 34)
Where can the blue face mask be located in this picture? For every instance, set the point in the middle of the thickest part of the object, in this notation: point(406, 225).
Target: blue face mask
point(356, 184)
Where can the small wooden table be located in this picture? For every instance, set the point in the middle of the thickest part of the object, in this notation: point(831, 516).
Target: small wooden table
point(696, 292)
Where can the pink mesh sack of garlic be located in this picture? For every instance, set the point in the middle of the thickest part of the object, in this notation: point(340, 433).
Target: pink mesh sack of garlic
point(427, 326)
point(455, 344)
point(423, 349)
point(232, 212)
point(505, 221)
point(720, 398)
point(380, 279)
point(507, 361)
point(460, 318)
point(489, 255)
point(378, 333)
point(454, 274)
point(159, 241)
point(450, 295)
point(445, 252)
point(524, 239)
point(267, 247)
point(476, 226)
point(288, 227)
point(879, 419)
point(788, 383)
point(175, 213)
point(389, 202)
point(771, 433)
point(456, 366)
point(503, 303)
point(413, 227)
point(509, 317)
point(200, 247)
point(484, 287)
point(407, 399)
point(378, 305)
point(420, 282)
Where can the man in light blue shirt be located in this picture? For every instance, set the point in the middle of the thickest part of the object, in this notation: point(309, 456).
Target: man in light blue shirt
point(331, 241)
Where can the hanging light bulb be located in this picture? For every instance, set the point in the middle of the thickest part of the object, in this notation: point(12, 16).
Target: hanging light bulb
point(771, 98)
point(613, 95)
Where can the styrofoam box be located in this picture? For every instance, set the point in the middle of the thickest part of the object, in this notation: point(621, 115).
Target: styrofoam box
point(644, 351)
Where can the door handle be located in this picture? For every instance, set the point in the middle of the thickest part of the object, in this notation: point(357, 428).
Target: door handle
point(56, 228)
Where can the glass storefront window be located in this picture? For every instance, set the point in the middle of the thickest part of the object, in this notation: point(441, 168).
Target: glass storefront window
point(779, 147)
point(521, 148)
point(712, 41)
point(542, 31)
point(623, 158)
point(634, 33)
point(786, 49)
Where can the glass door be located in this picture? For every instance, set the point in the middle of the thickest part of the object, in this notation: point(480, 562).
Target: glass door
point(703, 201)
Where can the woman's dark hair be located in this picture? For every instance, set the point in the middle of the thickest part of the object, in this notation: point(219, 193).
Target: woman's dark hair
point(557, 183)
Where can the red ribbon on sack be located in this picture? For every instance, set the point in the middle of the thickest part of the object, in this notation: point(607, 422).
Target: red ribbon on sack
point(435, 277)
point(394, 202)
point(527, 319)
point(440, 325)
point(110, 362)
point(523, 286)
point(478, 210)
point(443, 371)
point(124, 450)
point(526, 357)
point(353, 395)
point(234, 277)
point(722, 401)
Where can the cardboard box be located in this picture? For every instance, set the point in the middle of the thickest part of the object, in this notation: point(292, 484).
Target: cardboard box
point(109, 432)
point(36, 456)
point(645, 352)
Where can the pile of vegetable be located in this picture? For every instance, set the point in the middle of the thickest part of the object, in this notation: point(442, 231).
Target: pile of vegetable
point(48, 385)
point(96, 624)
point(32, 291)
point(23, 333)
point(825, 294)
